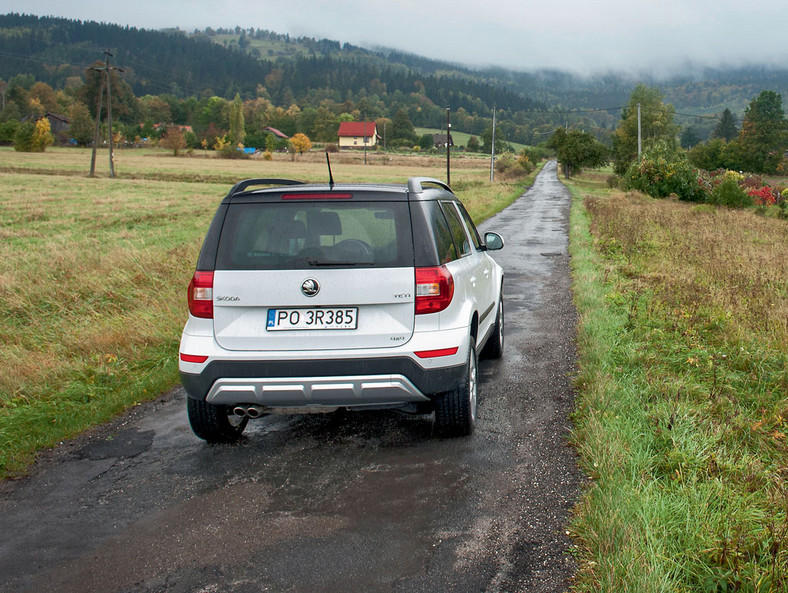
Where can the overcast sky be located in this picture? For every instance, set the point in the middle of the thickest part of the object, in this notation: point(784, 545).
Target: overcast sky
point(582, 36)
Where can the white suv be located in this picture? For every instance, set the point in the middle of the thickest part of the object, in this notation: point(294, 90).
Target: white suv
point(312, 298)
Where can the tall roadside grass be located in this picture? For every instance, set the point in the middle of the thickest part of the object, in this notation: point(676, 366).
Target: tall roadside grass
point(93, 276)
point(682, 412)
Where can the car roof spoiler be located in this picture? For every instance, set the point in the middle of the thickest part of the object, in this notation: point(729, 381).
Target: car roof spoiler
point(416, 184)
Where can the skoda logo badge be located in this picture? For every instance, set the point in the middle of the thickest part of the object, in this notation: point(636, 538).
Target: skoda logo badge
point(310, 287)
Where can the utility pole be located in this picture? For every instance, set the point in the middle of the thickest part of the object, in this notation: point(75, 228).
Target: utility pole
point(448, 147)
point(97, 135)
point(492, 152)
point(105, 76)
point(639, 133)
point(109, 116)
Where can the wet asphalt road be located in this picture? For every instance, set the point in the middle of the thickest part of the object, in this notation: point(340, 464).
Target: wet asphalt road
point(338, 503)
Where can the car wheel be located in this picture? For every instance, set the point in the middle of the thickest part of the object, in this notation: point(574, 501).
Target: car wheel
point(455, 410)
point(214, 423)
point(494, 346)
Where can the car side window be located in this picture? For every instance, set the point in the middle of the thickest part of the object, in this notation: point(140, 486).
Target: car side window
point(457, 229)
point(443, 237)
point(477, 242)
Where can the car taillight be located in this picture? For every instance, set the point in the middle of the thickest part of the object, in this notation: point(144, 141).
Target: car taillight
point(201, 295)
point(434, 289)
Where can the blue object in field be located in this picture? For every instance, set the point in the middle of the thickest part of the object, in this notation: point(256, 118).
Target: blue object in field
point(72, 141)
point(250, 150)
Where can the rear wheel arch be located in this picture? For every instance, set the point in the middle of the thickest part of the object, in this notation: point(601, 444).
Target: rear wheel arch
point(475, 326)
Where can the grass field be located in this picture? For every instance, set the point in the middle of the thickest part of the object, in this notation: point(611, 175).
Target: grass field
point(461, 138)
point(93, 272)
point(682, 409)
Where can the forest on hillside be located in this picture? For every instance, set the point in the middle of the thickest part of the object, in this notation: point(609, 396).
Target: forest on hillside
point(322, 79)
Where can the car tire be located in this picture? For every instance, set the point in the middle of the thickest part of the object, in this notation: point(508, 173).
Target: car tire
point(494, 346)
point(455, 410)
point(214, 423)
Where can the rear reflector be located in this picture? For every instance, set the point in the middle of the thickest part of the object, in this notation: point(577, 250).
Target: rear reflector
point(201, 295)
point(434, 289)
point(193, 358)
point(318, 196)
point(437, 353)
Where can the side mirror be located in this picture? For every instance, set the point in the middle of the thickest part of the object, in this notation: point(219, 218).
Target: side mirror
point(493, 241)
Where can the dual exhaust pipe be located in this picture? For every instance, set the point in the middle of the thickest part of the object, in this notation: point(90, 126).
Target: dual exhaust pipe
point(249, 411)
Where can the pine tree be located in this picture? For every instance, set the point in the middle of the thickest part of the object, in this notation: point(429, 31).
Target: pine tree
point(726, 127)
point(763, 135)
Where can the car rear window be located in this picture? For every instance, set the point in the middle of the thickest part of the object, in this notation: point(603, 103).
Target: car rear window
point(298, 235)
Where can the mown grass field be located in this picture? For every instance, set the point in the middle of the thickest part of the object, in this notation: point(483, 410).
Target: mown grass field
point(93, 272)
point(682, 409)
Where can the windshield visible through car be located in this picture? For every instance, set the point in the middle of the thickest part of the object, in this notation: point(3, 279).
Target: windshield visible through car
point(279, 236)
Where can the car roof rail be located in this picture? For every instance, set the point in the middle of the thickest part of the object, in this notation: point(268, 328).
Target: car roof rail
point(416, 184)
point(242, 185)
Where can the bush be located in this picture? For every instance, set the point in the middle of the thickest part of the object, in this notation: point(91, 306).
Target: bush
point(728, 193)
point(524, 160)
point(23, 139)
point(664, 171)
point(8, 131)
point(426, 142)
point(332, 148)
point(763, 196)
point(232, 152)
point(509, 166)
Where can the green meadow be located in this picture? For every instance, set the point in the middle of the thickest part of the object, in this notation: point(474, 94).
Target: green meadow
point(682, 408)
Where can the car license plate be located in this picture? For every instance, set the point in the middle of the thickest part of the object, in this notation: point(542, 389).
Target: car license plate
point(294, 319)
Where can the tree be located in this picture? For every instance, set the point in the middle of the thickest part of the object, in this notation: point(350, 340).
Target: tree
point(237, 132)
point(689, 138)
point(173, 139)
point(500, 140)
point(325, 126)
point(656, 125)
point(81, 124)
point(426, 142)
point(473, 144)
point(577, 149)
point(125, 106)
point(155, 110)
point(726, 128)
point(301, 143)
point(763, 133)
point(46, 97)
point(402, 129)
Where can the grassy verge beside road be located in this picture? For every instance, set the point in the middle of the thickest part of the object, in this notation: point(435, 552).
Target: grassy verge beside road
point(93, 275)
point(682, 411)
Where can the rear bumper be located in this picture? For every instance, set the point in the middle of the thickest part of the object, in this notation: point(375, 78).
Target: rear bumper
point(343, 383)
